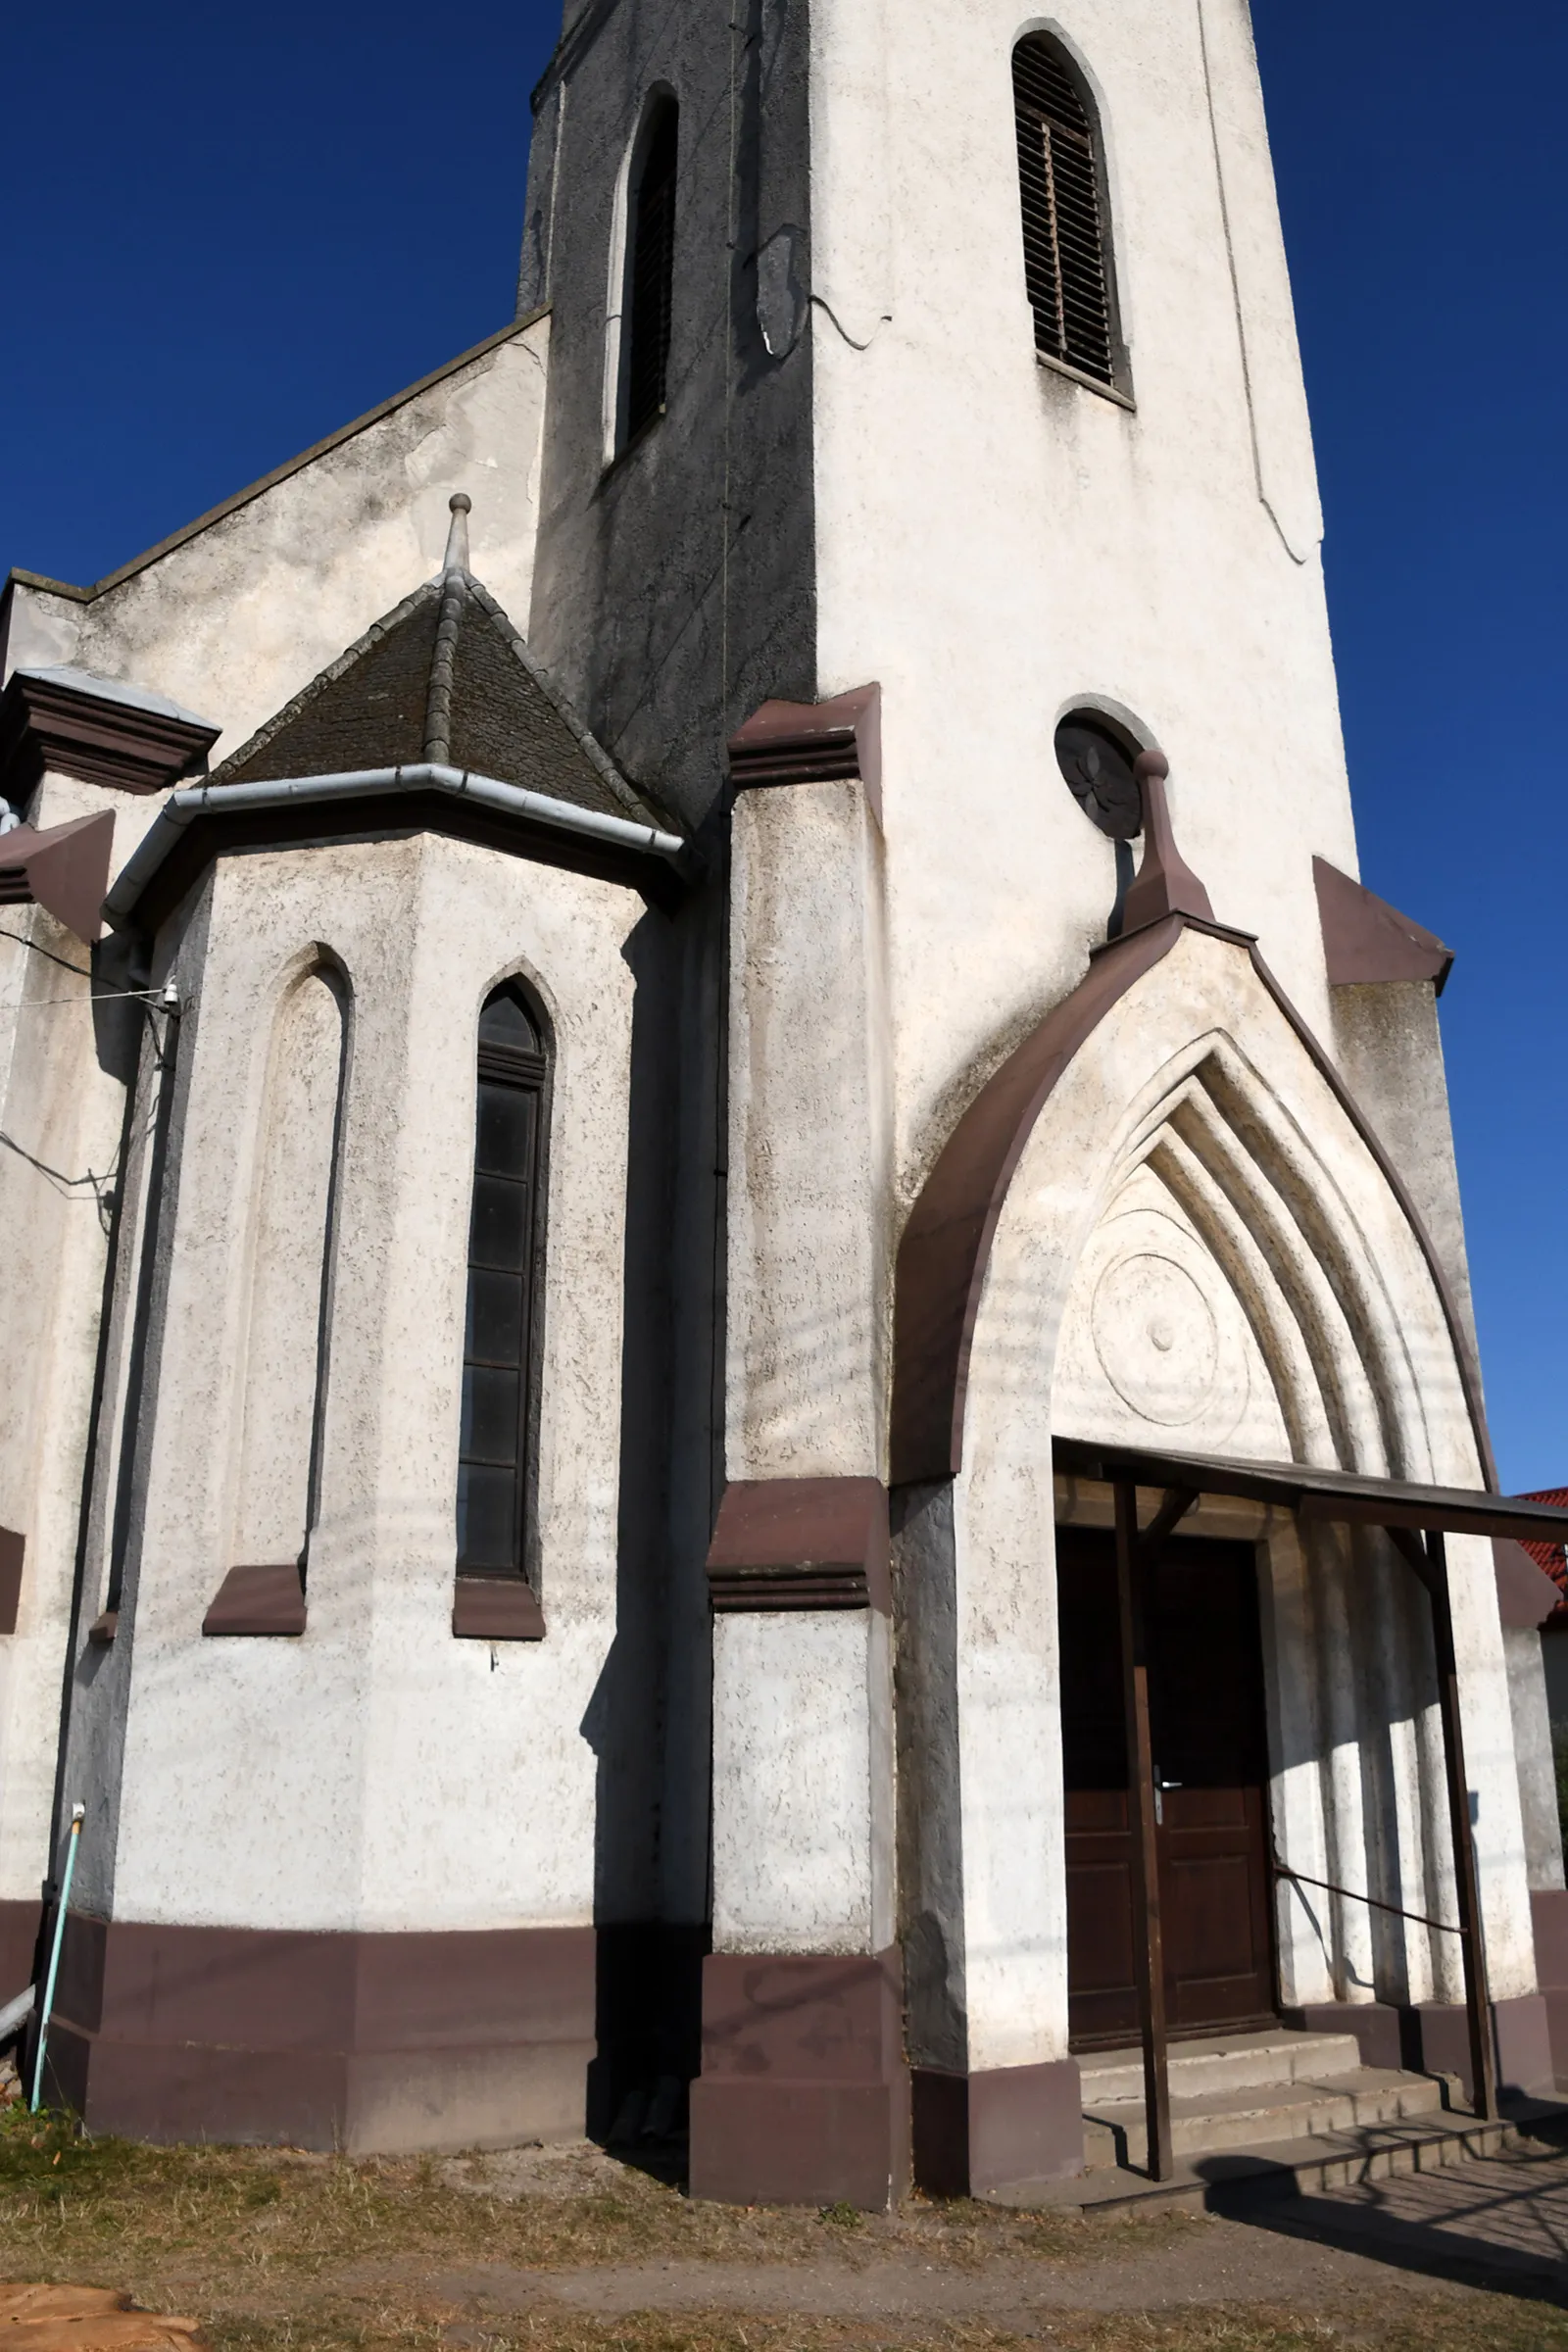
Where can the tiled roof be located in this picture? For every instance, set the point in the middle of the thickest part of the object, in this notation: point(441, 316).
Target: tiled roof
point(1551, 1558)
point(444, 679)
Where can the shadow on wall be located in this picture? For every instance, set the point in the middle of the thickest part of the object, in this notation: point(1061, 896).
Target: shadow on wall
point(1555, 1660)
point(647, 1997)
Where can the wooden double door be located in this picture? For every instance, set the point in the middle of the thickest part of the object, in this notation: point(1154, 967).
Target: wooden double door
point(1206, 1716)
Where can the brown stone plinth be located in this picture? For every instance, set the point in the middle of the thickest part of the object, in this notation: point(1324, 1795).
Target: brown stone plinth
point(978, 2133)
point(18, 1940)
point(1548, 1913)
point(1441, 2042)
point(1432, 2038)
point(803, 2095)
point(362, 2041)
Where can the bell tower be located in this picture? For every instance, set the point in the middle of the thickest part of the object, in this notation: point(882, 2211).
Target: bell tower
point(980, 466)
point(979, 380)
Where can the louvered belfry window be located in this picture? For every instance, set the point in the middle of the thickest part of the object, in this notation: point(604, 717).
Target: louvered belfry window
point(651, 270)
point(504, 1240)
point(1065, 230)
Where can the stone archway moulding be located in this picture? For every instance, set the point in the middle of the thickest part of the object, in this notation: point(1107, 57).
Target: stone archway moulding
point(947, 1241)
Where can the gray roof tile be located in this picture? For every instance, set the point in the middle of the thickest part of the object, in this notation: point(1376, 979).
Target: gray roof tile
point(446, 678)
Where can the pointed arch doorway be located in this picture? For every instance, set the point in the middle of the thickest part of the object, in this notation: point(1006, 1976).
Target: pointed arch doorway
point(1210, 1756)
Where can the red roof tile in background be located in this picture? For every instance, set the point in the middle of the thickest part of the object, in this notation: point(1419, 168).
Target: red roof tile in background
point(1551, 1556)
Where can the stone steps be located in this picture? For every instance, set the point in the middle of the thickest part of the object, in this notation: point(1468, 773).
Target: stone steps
point(1263, 2113)
point(1302, 2166)
point(1220, 2062)
point(1276, 2112)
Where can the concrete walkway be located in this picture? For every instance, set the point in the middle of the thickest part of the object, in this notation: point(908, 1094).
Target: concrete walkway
point(1502, 2222)
point(1480, 2231)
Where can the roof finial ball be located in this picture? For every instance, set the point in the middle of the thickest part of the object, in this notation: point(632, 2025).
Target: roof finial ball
point(456, 555)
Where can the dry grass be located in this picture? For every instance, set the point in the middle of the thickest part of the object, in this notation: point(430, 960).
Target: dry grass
point(1421, 2328)
point(66, 2200)
point(278, 2251)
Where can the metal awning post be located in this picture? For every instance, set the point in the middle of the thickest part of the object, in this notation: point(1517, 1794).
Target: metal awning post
point(1148, 1954)
point(1429, 1561)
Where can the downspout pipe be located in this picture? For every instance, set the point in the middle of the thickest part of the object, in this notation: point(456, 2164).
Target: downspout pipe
point(192, 801)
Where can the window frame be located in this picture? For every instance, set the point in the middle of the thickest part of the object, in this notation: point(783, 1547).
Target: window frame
point(660, 105)
point(1118, 386)
point(533, 1073)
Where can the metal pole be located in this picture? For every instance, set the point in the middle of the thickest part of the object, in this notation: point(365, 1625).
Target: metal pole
point(1149, 1955)
point(1429, 1558)
point(1467, 1882)
point(76, 1814)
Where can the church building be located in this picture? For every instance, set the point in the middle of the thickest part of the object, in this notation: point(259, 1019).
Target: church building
point(741, 1392)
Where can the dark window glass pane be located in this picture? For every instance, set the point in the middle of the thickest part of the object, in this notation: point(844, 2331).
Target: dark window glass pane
point(653, 275)
point(487, 1518)
point(495, 1318)
point(499, 1232)
point(490, 1406)
point(506, 1022)
point(506, 1128)
point(491, 1488)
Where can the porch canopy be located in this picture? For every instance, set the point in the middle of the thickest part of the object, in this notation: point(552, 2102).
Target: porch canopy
point(1416, 1520)
point(1318, 1494)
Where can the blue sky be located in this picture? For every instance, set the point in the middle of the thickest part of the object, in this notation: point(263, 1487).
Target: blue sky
point(233, 229)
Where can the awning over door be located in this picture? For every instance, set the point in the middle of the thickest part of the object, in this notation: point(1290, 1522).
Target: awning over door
point(1340, 1494)
point(1416, 1519)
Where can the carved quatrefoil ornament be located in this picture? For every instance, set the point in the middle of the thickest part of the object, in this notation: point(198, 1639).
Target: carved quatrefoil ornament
point(1098, 768)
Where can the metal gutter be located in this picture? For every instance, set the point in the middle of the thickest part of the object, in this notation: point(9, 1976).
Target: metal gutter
point(190, 802)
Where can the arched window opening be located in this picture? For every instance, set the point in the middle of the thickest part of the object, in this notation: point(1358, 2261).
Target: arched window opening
point(288, 1322)
point(650, 268)
point(505, 1237)
point(285, 1361)
point(1066, 223)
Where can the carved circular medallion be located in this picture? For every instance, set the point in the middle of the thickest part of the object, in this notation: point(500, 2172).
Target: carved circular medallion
point(1156, 1338)
point(1098, 768)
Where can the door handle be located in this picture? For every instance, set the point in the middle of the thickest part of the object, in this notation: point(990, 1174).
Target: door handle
point(1160, 1786)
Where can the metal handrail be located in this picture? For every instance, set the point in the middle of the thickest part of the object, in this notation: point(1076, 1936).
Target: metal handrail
point(1282, 1870)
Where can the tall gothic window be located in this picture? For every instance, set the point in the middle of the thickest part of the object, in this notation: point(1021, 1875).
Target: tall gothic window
point(650, 267)
point(287, 1324)
point(1066, 231)
point(504, 1236)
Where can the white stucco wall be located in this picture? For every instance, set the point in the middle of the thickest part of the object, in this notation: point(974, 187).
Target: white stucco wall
point(809, 1246)
point(801, 1797)
point(997, 544)
point(61, 1111)
point(379, 1773)
point(234, 619)
point(230, 621)
point(288, 1229)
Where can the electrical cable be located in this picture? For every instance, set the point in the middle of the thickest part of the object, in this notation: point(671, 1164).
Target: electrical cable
point(108, 996)
point(81, 972)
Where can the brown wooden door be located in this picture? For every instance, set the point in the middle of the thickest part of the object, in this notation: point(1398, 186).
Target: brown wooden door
point(1206, 1715)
